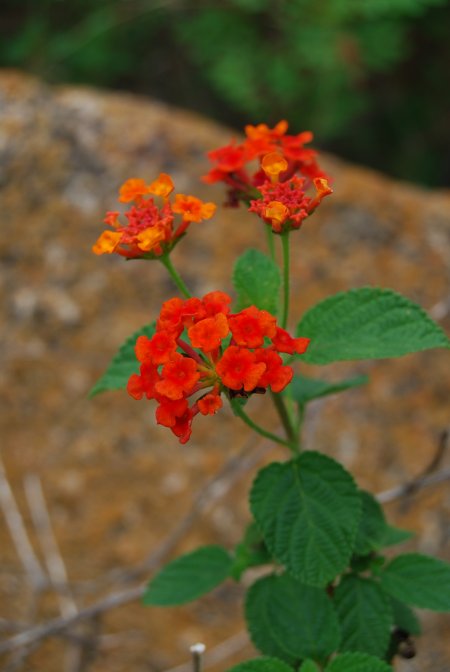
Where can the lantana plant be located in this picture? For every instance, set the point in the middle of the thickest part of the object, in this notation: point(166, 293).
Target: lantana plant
point(329, 599)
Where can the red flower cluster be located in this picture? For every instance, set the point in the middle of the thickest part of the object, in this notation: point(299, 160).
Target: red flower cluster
point(285, 170)
point(232, 162)
point(201, 349)
point(284, 205)
point(150, 230)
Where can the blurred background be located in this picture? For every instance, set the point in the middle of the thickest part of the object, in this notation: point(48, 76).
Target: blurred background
point(368, 76)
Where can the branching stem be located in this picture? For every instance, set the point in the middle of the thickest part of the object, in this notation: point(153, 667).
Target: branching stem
point(239, 411)
point(291, 432)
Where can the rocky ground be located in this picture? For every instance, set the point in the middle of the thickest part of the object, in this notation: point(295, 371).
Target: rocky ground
point(115, 484)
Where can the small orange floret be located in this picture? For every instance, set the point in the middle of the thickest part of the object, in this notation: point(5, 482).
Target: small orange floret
point(158, 349)
point(150, 238)
point(132, 190)
point(107, 243)
point(276, 375)
point(193, 209)
point(209, 404)
point(138, 385)
point(273, 164)
point(134, 386)
point(183, 426)
point(276, 213)
point(207, 334)
point(262, 131)
point(112, 218)
point(322, 189)
point(171, 315)
point(238, 369)
point(216, 302)
point(162, 186)
point(251, 326)
point(230, 158)
point(284, 342)
point(178, 377)
point(169, 410)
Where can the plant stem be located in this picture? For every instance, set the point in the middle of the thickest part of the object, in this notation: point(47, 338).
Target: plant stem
point(270, 242)
point(260, 430)
point(165, 260)
point(286, 421)
point(286, 270)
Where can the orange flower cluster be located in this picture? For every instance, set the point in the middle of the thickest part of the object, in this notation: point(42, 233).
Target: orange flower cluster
point(234, 162)
point(151, 230)
point(200, 349)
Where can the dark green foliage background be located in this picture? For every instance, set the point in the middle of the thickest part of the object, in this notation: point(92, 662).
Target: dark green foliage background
point(368, 76)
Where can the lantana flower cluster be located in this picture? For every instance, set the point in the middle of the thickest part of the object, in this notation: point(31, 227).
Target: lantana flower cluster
point(151, 230)
point(271, 171)
point(200, 350)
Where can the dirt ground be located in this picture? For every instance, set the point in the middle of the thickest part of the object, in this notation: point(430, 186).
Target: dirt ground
point(116, 486)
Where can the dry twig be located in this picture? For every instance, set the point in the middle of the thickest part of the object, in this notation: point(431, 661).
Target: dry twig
point(208, 494)
point(53, 559)
point(35, 574)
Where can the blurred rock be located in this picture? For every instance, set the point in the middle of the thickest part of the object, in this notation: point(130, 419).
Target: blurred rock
point(115, 483)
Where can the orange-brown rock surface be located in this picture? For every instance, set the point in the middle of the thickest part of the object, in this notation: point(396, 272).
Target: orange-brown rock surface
point(115, 483)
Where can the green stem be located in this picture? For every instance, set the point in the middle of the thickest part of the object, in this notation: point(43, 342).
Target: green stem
point(165, 260)
point(270, 242)
point(286, 421)
point(286, 270)
point(260, 430)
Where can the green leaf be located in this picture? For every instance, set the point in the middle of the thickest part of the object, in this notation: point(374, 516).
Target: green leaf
point(303, 389)
point(251, 552)
point(357, 662)
point(365, 615)
point(257, 281)
point(301, 619)
point(308, 511)
point(418, 580)
point(395, 535)
point(264, 664)
point(374, 532)
point(259, 624)
point(189, 576)
point(367, 323)
point(309, 666)
point(123, 364)
point(405, 618)
point(372, 528)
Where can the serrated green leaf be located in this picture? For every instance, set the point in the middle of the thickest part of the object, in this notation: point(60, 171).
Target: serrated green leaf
point(365, 615)
point(309, 666)
point(374, 532)
point(357, 662)
point(259, 624)
point(251, 552)
point(301, 619)
point(367, 323)
point(188, 577)
point(372, 528)
point(308, 511)
point(264, 664)
point(404, 617)
point(257, 281)
point(123, 364)
point(418, 580)
point(303, 389)
point(395, 535)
